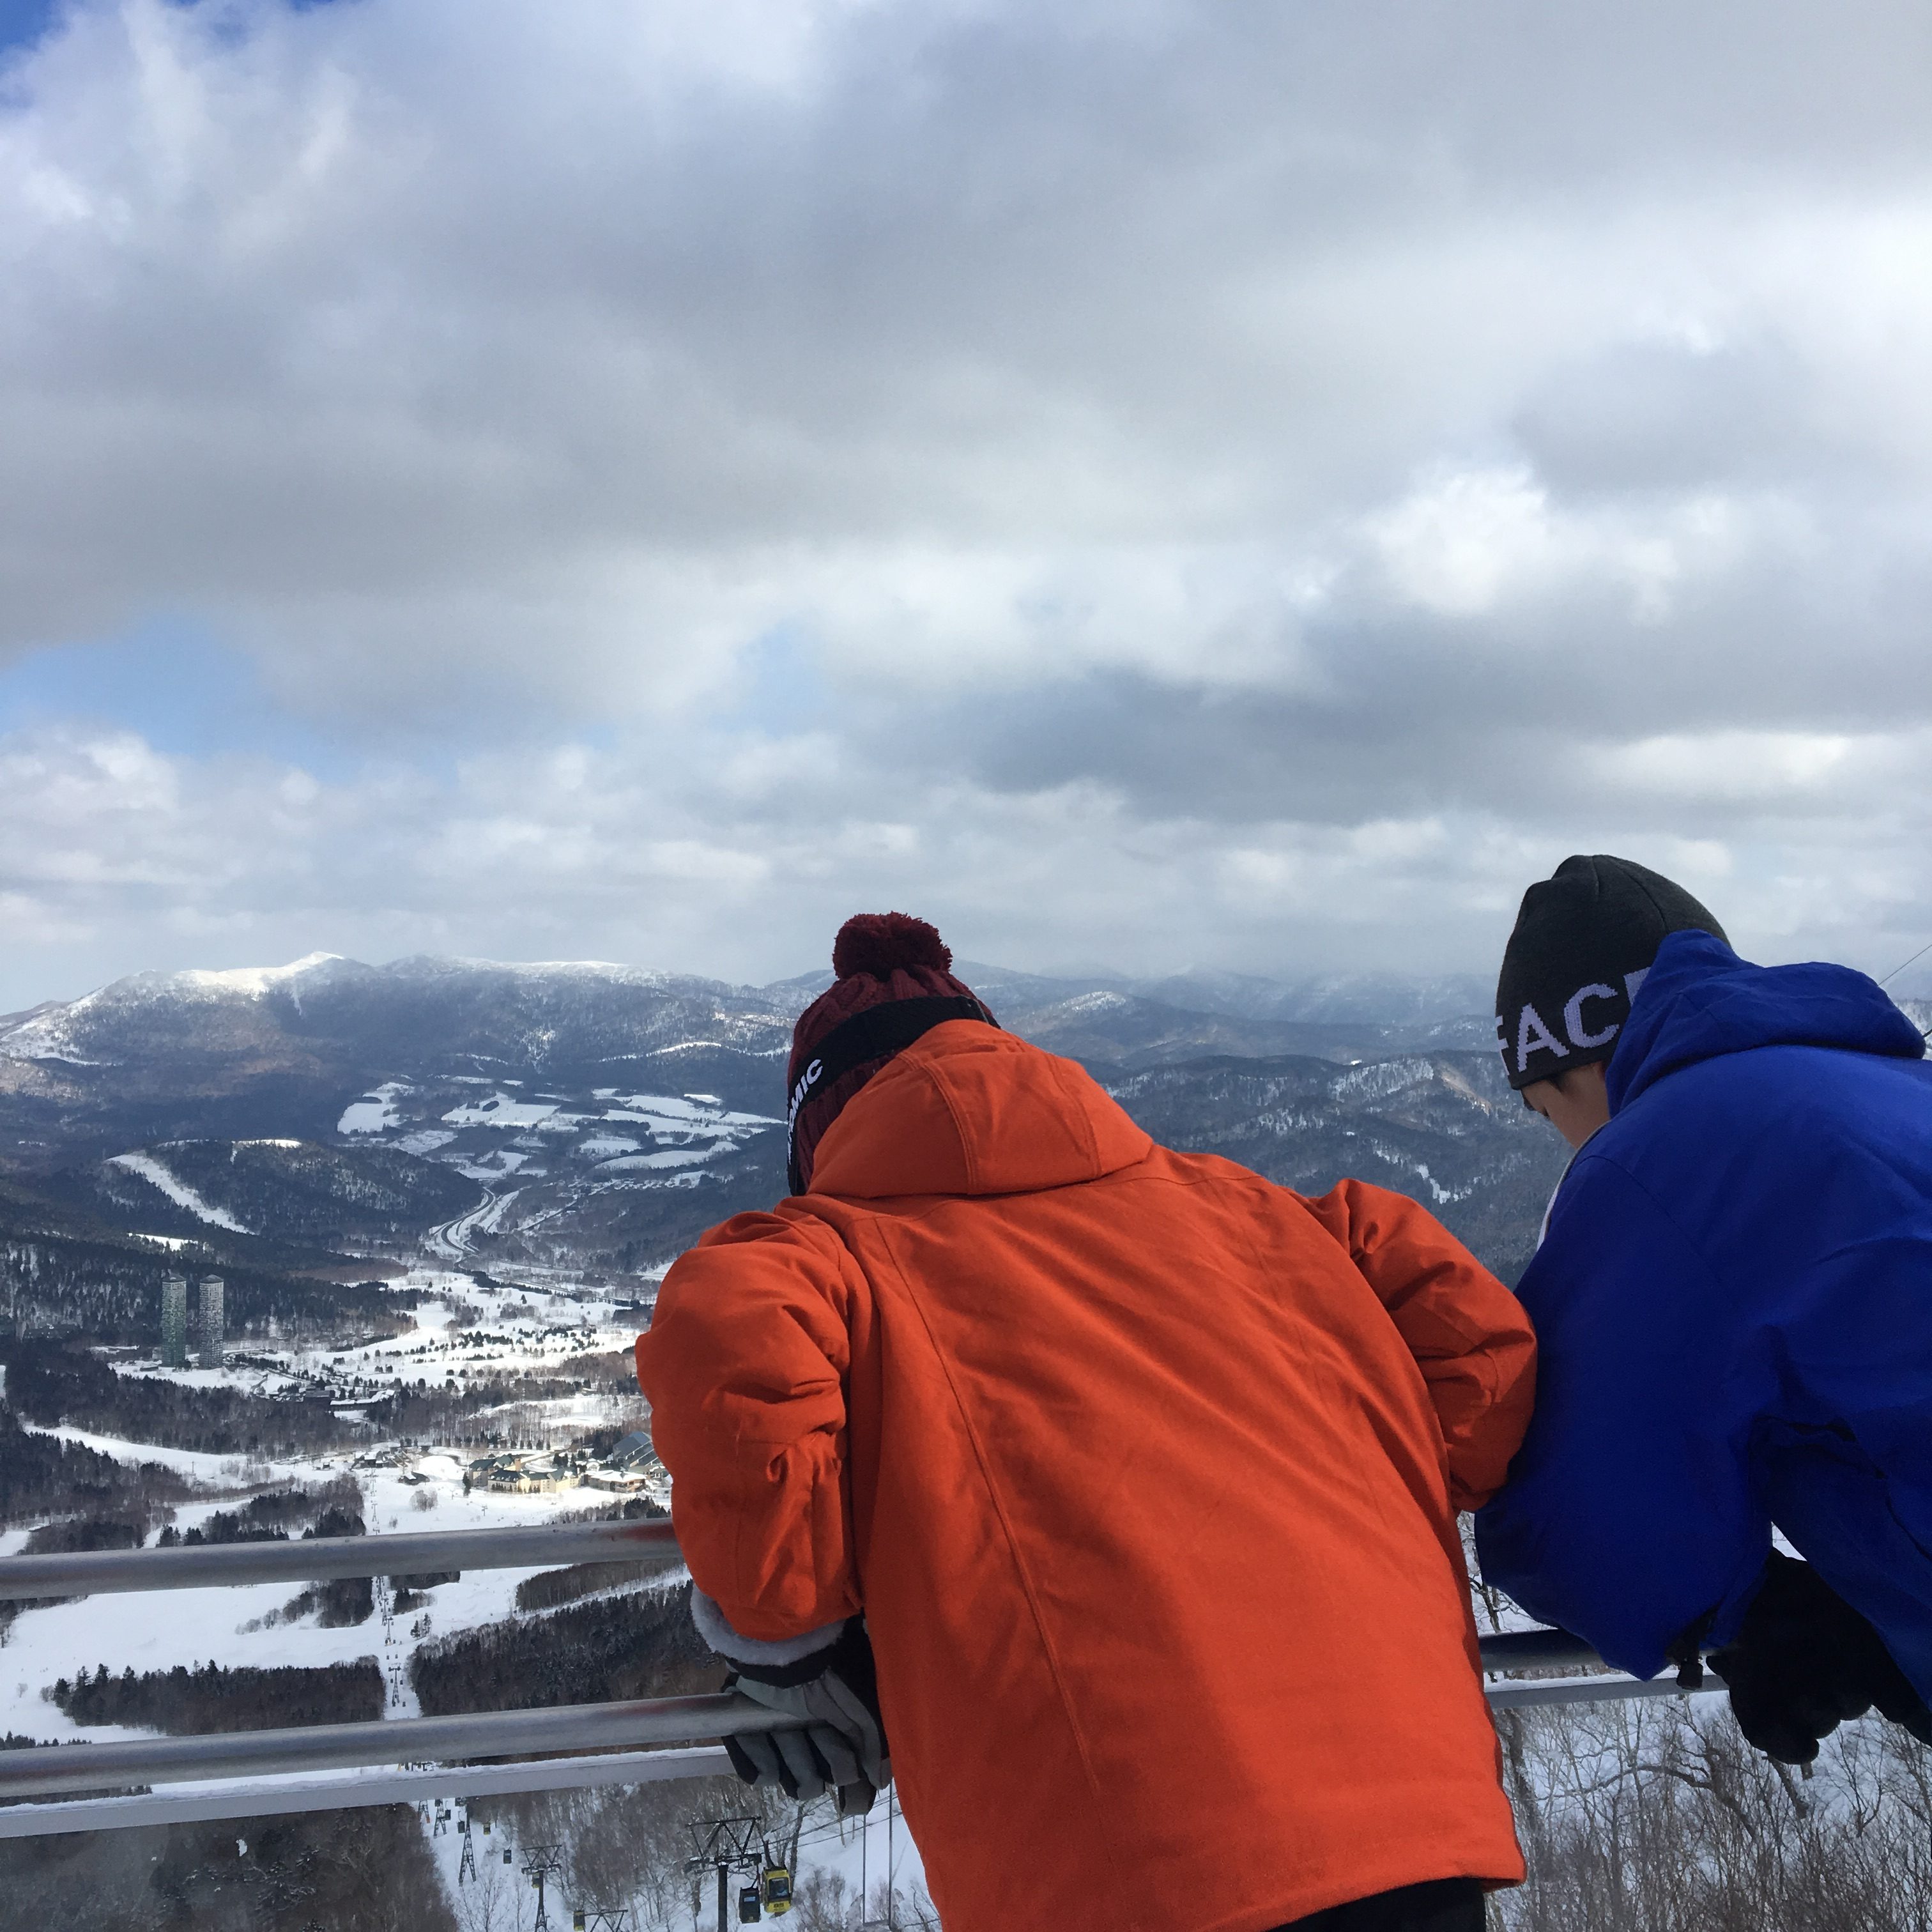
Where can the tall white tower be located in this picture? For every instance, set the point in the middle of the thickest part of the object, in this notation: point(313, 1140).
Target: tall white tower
point(213, 1293)
point(174, 1321)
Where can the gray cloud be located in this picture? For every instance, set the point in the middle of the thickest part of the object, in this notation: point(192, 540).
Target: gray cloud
point(1237, 485)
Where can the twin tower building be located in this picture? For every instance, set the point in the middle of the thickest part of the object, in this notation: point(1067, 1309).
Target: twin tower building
point(208, 1322)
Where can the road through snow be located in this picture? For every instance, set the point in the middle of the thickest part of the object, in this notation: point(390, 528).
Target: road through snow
point(451, 1240)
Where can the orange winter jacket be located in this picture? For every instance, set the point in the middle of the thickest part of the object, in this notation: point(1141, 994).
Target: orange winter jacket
point(1144, 1472)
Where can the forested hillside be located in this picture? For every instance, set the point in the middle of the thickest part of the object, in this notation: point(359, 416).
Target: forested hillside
point(48, 1383)
point(640, 1644)
point(1444, 1128)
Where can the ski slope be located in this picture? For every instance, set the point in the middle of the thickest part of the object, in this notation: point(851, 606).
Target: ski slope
point(178, 1190)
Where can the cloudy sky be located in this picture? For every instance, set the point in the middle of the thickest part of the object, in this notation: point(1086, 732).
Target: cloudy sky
point(1237, 484)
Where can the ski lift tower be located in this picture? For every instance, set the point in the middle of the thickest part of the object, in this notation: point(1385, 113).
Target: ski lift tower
point(728, 1845)
point(541, 1862)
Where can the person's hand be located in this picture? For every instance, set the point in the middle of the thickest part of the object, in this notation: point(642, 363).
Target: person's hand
point(1804, 1660)
point(839, 1743)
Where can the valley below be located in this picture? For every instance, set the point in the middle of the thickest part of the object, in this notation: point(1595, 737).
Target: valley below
point(439, 1197)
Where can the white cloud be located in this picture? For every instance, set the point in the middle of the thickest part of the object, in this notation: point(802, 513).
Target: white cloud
point(1465, 543)
point(1765, 768)
point(649, 855)
point(1131, 473)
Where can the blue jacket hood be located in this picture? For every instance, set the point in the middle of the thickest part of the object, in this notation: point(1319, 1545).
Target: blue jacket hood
point(1700, 1000)
point(1733, 1329)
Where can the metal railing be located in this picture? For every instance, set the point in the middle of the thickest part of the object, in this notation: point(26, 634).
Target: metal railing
point(250, 1774)
point(202, 1566)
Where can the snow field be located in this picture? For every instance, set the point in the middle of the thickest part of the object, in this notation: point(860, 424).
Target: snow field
point(422, 1490)
point(155, 1631)
point(376, 1111)
point(177, 1190)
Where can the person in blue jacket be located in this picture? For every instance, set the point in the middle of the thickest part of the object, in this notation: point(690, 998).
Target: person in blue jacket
point(1733, 1299)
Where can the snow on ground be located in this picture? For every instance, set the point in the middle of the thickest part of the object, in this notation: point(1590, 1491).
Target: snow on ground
point(251, 1375)
point(227, 1472)
point(498, 1111)
point(686, 1117)
point(452, 1241)
point(605, 1146)
point(157, 1630)
point(177, 1190)
point(674, 1157)
point(375, 1112)
point(256, 981)
point(419, 1489)
point(855, 1849)
point(516, 1329)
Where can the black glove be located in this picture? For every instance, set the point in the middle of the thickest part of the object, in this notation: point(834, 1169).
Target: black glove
point(1803, 1661)
point(840, 1741)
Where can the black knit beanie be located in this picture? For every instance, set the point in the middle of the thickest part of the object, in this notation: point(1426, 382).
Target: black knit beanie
point(1584, 940)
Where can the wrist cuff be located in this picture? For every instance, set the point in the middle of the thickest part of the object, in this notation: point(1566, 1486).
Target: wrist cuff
point(716, 1630)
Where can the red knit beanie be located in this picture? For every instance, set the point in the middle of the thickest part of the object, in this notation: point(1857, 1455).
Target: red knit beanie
point(883, 959)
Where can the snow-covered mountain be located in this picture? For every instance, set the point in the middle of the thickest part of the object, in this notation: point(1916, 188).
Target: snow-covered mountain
point(577, 1116)
point(276, 1050)
point(411, 1012)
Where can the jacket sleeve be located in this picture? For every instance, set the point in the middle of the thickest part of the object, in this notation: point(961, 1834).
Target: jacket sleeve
point(1629, 1516)
point(744, 1366)
point(1468, 1334)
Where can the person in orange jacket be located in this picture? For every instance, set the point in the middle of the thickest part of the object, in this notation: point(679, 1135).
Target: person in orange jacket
point(1132, 1476)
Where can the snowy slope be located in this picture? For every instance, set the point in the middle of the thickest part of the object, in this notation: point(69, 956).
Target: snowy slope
point(177, 1190)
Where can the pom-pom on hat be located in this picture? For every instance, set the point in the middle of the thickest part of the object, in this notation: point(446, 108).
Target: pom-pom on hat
point(894, 982)
point(882, 943)
point(1584, 940)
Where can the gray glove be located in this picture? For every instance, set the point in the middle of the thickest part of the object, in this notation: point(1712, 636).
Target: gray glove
point(839, 1742)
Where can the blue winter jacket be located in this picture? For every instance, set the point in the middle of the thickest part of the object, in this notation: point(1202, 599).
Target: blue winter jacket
point(1733, 1310)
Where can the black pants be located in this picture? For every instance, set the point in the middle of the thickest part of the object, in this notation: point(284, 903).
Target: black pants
point(1443, 1905)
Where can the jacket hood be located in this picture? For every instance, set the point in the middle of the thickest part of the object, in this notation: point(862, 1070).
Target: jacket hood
point(966, 1109)
point(1700, 1000)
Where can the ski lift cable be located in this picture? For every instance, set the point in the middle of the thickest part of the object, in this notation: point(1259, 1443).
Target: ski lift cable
point(1901, 966)
point(1925, 1033)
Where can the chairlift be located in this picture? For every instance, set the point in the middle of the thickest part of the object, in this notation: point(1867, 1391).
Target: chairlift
point(778, 1890)
point(577, 1921)
point(750, 1903)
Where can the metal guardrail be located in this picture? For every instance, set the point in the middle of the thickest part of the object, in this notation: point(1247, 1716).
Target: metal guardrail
point(352, 1790)
point(320, 1559)
point(404, 1748)
point(1538, 1650)
point(202, 1566)
point(45, 1769)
